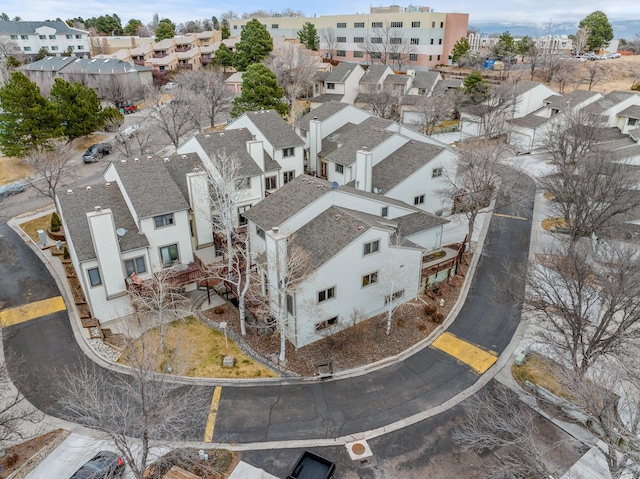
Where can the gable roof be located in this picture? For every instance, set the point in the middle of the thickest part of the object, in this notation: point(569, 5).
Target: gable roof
point(631, 112)
point(524, 86)
point(150, 187)
point(444, 85)
point(374, 73)
point(368, 134)
point(341, 72)
point(233, 143)
point(609, 101)
point(29, 28)
point(425, 80)
point(179, 166)
point(274, 128)
point(402, 163)
point(418, 221)
point(76, 205)
point(396, 79)
point(323, 112)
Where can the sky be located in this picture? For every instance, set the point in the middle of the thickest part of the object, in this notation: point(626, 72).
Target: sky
point(480, 11)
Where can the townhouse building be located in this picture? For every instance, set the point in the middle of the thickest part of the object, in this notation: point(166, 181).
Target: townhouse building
point(56, 37)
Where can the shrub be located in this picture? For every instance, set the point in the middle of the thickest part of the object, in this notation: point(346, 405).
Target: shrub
point(636, 86)
point(65, 253)
point(56, 224)
point(429, 309)
point(111, 118)
point(437, 317)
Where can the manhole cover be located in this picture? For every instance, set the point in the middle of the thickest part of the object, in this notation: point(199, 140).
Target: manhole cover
point(358, 448)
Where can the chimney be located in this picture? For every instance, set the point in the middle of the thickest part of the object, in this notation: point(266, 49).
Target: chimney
point(254, 148)
point(315, 143)
point(364, 167)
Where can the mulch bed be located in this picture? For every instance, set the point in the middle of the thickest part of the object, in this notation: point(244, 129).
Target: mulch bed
point(356, 346)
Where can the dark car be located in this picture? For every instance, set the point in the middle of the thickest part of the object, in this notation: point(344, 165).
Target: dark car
point(95, 152)
point(104, 465)
point(11, 189)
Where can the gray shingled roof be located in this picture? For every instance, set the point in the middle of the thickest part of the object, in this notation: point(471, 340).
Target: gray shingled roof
point(327, 110)
point(341, 72)
point(610, 100)
point(29, 28)
point(556, 101)
point(418, 221)
point(75, 206)
point(577, 97)
point(150, 187)
point(233, 143)
point(631, 112)
point(635, 134)
point(374, 74)
point(330, 232)
point(274, 128)
point(444, 85)
point(368, 134)
point(396, 79)
point(50, 64)
point(179, 166)
point(425, 80)
point(84, 65)
point(524, 86)
point(529, 121)
point(287, 201)
point(332, 141)
point(327, 97)
point(402, 163)
point(411, 99)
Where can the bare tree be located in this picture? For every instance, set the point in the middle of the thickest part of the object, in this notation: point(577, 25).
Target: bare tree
point(596, 73)
point(592, 188)
point(208, 90)
point(580, 40)
point(294, 68)
point(135, 141)
point(497, 421)
point(434, 109)
point(116, 89)
point(138, 411)
point(388, 46)
point(589, 306)
point(496, 110)
point(328, 36)
point(565, 73)
point(382, 101)
point(50, 162)
point(174, 118)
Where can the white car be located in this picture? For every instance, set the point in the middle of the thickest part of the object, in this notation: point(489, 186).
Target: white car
point(169, 86)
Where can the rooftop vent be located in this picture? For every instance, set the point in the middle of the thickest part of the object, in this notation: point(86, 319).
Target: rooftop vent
point(88, 188)
point(184, 157)
point(107, 184)
point(124, 161)
point(207, 136)
point(360, 228)
point(97, 208)
point(136, 159)
point(69, 192)
point(166, 160)
point(337, 215)
point(149, 157)
point(318, 186)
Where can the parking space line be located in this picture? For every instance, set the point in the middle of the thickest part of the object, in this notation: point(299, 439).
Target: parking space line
point(471, 355)
point(512, 217)
point(26, 312)
point(213, 412)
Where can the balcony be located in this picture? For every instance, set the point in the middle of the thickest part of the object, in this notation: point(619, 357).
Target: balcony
point(177, 276)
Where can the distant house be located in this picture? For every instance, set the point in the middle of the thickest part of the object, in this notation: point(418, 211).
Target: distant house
point(148, 214)
point(56, 37)
point(364, 252)
point(340, 84)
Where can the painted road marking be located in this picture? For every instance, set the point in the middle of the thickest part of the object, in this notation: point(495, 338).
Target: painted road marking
point(479, 359)
point(512, 217)
point(26, 312)
point(213, 412)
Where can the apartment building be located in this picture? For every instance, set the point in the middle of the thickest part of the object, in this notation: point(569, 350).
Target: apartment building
point(54, 36)
point(402, 37)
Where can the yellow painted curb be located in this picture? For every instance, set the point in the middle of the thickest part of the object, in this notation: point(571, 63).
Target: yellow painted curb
point(471, 355)
point(27, 312)
point(213, 412)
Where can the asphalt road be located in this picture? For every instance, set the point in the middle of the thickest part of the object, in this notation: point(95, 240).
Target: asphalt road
point(305, 410)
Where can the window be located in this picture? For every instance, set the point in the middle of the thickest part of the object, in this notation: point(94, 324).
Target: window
point(169, 254)
point(376, 25)
point(436, 173)
point(396, 24)
point(54, 48)
point(78, 37)
point(368, 279)
point(430, 57)
point(163, 220)
point(438, 58)
point(260, 232)
point(326, 323)
point(24, 37)
point(287, 152)
point(439, 41)
point(358, 24)
point(94, 277)
point(431, 41)
point(339, 168)
point(413, 57)
point(441, 24)
point(52, 37)
point(69, 37)
point(394, 56)
point(27, 49)
point(358, 39)
point(80, 47)
point(632, 122)
point(433, 24)
point(358, 54)
point(235, 27)
point(375, 55)
point(415, 41)
point(341, 25)
point(415, 24)
point(341, 53)
point(326, 294)
point(14, 37)
point(242, 219)
point(135, 265)
point(371, 247)
point(341, 39)
point(394, 296)
point(395, 41)
point(291, 306)
point(42, 37)
point(376, 40)
point(270, 183)
point(331, 86)
point(418, 200)
point(288, 176)
point(384, 211)
point(243, 184)
point(275, 26)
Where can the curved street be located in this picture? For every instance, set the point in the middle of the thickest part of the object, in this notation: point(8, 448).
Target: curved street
point(298, 409)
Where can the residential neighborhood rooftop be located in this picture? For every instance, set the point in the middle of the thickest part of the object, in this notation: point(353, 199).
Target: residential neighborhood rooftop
point(274, 128)
point(323, 112)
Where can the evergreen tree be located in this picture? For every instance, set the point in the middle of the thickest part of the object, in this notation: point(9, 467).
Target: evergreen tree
point(27, 118)
point(309, 37)
point(476, 87)
point(460, 49)
point(132, 27)
point(78, 106)
point(255, 45)
point(224, 57)
point(599, 30)
point(42, 53)
point(225, 30)
point(505, 48)
point(260, 91)
point(165, 29)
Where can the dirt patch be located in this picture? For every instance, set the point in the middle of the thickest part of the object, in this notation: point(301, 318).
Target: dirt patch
point(364, 343)
point(13, 168)
point(551, 224)
point(19, 454)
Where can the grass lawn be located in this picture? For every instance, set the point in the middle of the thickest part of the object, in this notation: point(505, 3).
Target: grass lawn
point(32, 227)
point(204, 352)
point(550, 223)
point(12, 169)
point(539, 370)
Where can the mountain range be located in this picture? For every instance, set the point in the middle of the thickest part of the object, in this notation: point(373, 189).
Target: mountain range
point(627, 29)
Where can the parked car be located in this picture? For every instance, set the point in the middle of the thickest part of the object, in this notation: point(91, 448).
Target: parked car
point(11, 189)
point(127, 109)
point(169, 86)
point(95, 152)
point(104, 465)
